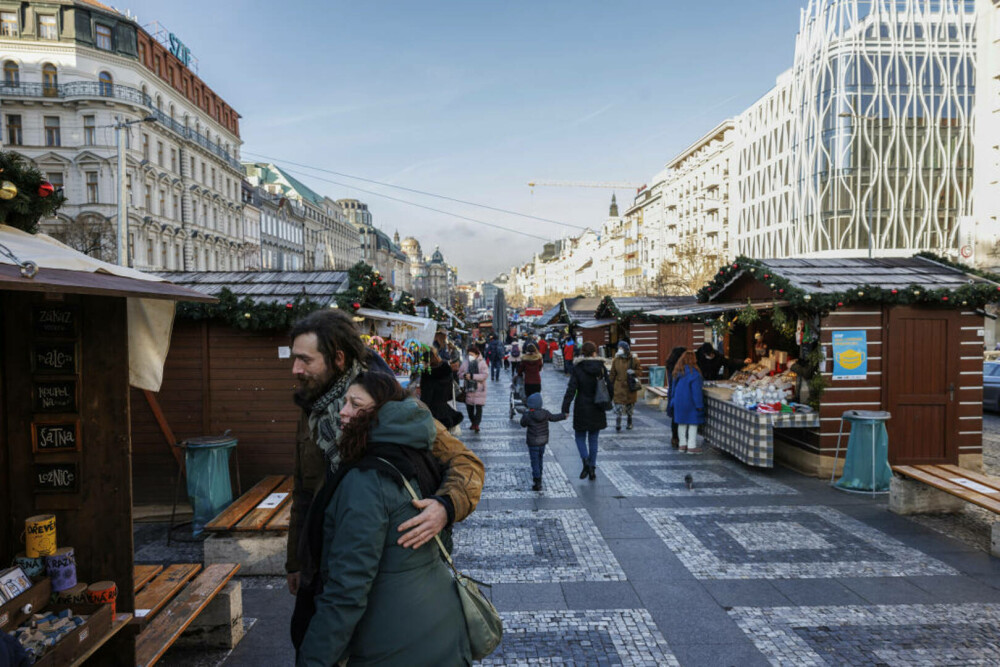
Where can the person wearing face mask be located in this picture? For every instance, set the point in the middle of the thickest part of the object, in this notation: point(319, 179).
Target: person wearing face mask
point(624, 375)
point(473, 373)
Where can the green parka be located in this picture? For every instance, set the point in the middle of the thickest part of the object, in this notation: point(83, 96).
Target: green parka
point(383, 604)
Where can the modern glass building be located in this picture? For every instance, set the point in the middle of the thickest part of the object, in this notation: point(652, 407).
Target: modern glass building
point(882, 99)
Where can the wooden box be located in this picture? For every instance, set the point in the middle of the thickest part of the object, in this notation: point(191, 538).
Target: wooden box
point(11, 614)
point(79, 641)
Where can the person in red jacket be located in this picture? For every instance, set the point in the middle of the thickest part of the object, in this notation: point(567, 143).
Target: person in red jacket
point(568, 350)
point(531, 368)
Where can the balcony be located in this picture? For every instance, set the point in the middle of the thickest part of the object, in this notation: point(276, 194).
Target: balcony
point(97, 90)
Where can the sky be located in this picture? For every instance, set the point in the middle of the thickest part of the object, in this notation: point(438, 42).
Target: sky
point(473, 99)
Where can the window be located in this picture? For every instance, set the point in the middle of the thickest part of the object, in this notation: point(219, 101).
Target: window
point(8, 24)
point(175, 208)
point(148, 197)
point(156, 65)
point(11, 74)
point(14, 136)
point(103, 35)
point(106, 87)
point(203, 180)
point(173, 159)
point(177, 257)
point(149, 251)
point(142, 53)
point(50, 80)
point(192, 167)
point(159, 153)
point(52, 136)
point(91, 187)
point(145, 147)
point(163, 203)
point(56, 179)
point(89, 130)
point(163, 256)
point(47, 27)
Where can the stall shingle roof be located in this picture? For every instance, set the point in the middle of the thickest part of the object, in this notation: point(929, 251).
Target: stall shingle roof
point(834, 275)
point(645, 304)
point(582, 308)
point(264, 286)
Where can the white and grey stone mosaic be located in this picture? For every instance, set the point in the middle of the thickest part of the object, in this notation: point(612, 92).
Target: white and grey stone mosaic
point(804, 542)
point(626, 637)
point(915, 635)
point(507, 478)
point(541, 546)
point(499, 445)
point(660, 479)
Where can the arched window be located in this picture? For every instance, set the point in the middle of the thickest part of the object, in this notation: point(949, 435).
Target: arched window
point(50, 80)
point(171, 111)
point(11, 74)
point(106, 84)
point(159, 102)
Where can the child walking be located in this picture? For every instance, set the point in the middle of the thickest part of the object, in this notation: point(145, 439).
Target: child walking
point(537, 419)
point(687, 402)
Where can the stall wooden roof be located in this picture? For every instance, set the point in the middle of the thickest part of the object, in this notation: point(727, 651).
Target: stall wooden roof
point(264, 286)
point(68, 281)
point(580, 309)
point(616, 306)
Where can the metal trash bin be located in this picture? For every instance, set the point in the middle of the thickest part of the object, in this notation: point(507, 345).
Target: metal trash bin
point(866, 461)
point(206, 461)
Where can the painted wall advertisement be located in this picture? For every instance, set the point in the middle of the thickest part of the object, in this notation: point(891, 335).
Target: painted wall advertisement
point(850, 355)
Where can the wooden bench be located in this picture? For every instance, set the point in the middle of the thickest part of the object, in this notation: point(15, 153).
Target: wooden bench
point(944, 488)
point(169, 599)
point(253, 530)
point(659, 396)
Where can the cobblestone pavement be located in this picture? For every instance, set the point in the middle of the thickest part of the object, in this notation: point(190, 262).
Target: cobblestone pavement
point(747, 567)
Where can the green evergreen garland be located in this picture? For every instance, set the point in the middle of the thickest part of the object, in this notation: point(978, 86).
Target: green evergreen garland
point(30, 204)
point(365, 289)
point(248, 314)
point(405, 304)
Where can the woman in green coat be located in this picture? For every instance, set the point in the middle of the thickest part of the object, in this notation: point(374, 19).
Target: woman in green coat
point(374, 602)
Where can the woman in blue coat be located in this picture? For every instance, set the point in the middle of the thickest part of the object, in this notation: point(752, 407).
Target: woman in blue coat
point(686, 402)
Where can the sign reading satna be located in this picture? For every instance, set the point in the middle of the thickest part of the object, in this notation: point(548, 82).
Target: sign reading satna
point(182, 52)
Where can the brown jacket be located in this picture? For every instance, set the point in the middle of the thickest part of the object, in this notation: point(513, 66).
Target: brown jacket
point(619, 378)
point(462, 483)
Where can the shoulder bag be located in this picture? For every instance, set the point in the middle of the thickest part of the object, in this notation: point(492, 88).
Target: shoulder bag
point(482, 620)
point(632, 378)
point(602, 395)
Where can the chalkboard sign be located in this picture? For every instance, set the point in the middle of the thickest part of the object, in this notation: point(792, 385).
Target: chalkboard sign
point(58, 358)
point(54, 320)
point(55, 436)
point(56, 478)
point(55, 396)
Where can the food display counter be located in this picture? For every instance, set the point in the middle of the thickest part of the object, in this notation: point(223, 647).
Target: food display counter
point(746, 434)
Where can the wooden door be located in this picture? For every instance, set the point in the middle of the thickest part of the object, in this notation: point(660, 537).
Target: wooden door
point(920, 361)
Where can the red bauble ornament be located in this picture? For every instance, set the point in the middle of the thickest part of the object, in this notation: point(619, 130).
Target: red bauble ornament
point(289, 306)
point(45, 189)
point(767, 275)
point(736, 266)
point(355, 305)
point(944, 298)
point(373, 284)
point(781, 291)
point(840, 303)
point(894, 291)
point(722, 273)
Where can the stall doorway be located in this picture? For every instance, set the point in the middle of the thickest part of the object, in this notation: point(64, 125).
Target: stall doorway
point(920, 361)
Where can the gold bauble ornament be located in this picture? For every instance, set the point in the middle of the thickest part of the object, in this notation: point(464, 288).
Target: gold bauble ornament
point(8, 190)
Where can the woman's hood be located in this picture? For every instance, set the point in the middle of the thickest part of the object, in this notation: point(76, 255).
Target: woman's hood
point(591, 366)
point(406, 423)
point(530, 356)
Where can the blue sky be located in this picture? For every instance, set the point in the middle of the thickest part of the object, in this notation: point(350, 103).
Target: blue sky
point(474, 99)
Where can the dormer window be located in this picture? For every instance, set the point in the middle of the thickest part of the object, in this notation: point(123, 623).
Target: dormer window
point(103, 34)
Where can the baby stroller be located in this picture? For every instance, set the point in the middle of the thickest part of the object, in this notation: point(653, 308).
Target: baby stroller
point(516, 395)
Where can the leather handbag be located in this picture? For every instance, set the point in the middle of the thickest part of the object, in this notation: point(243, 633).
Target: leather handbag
point(602, 395)
point(482, 620)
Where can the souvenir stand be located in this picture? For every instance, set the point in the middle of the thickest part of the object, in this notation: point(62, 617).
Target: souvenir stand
point(651, 337)
point(74, 334)
point(902, 335)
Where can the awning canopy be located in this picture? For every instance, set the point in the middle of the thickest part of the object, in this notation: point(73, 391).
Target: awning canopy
point(400, 326)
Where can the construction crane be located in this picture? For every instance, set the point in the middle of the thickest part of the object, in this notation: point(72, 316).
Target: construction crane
point(586, 184)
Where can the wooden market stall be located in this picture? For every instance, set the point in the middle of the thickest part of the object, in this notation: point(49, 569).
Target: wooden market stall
point(73, 337)
point(899, 335)
point(630, 318)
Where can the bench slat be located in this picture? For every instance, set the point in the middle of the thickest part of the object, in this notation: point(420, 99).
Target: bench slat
point(143, 573)
point(257, 518)
point(281, 519)
point(230, 516)
point(985, 480)
point(164, 587)
point(164, 630)
point(948, 487)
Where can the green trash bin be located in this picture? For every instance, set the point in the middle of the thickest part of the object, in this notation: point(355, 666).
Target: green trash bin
point(206, 460)
point(866, 463)
point(657, 374)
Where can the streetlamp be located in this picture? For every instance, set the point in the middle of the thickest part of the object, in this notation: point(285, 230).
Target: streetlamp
point(871, 179)
point(122, 204)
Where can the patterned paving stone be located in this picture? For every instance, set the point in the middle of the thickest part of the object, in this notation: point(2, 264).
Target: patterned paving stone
point(666, 478)
point(802, 542)
point(509, 478)
point(911, 635)
point(499, 445)
point(525, 546)
point(624, 637)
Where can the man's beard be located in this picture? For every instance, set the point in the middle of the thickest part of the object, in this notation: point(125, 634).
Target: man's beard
point(314, 388)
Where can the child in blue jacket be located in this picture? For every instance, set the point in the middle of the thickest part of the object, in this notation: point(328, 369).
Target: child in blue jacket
point(537, 419)
point(686, 402)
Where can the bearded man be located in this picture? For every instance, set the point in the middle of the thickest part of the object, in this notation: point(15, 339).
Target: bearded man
point(327, 354)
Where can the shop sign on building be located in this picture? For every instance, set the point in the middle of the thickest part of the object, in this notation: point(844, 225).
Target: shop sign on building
point(850, 355)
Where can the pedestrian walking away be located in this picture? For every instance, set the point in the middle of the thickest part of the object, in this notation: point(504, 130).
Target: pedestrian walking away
point(437, 390)
point(328, 355)
point(624, 374)
point(568, 350)
point(531, 368)
point(669, 364)
point(494, 357)
point(589, 419)
point(515, 357)
point(363, 598)
point(537, 419)
point(687, 402)
point(473, 375)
